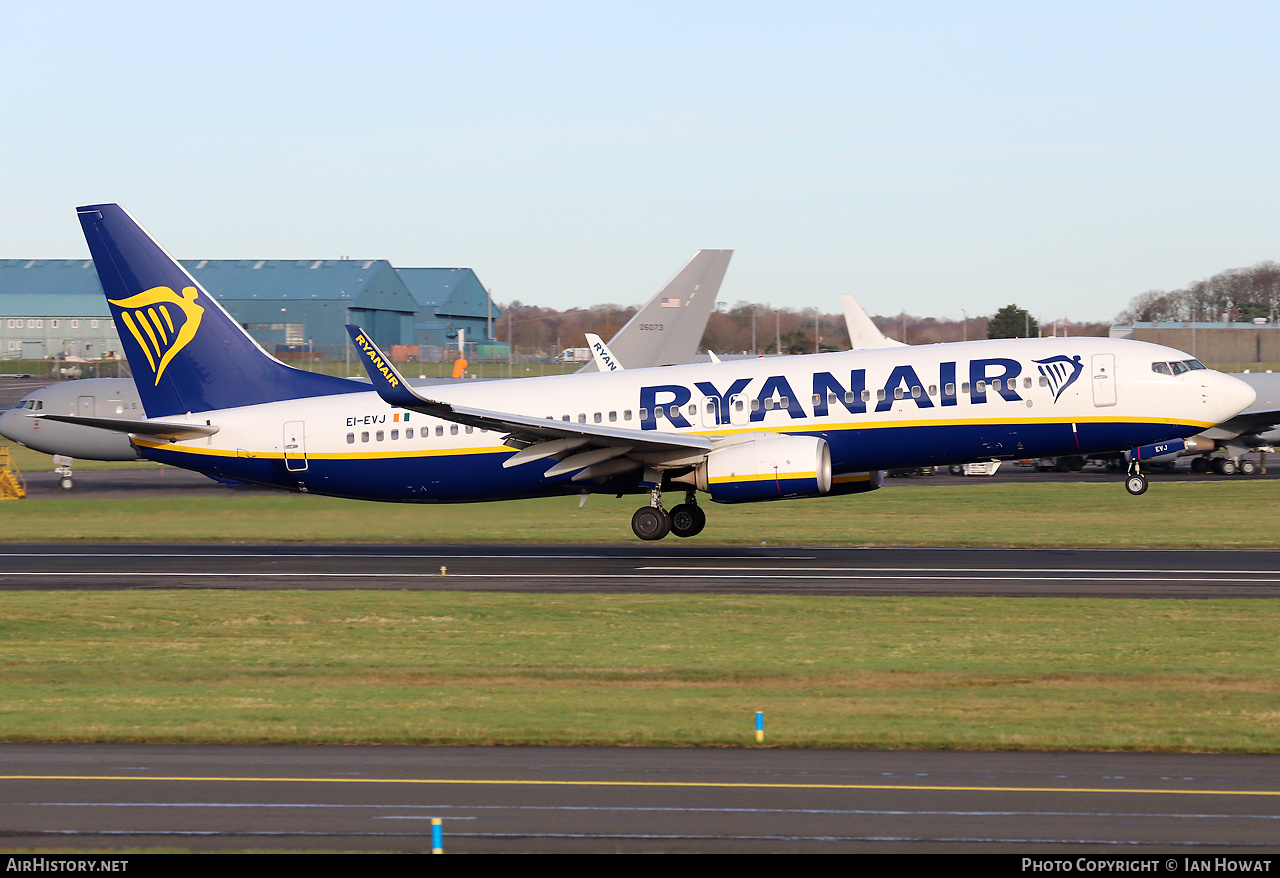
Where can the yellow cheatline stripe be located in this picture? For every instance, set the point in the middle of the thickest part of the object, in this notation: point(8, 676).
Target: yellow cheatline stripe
point(856, 477)
point(654, 784)
point(277, 455)
point(783, 429)
point(801, 427)
point(764, 477)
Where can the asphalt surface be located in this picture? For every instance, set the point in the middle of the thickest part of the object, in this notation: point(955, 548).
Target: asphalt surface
point(518, 799)
point(649, 569)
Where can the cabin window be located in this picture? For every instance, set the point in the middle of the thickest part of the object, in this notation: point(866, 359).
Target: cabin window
point(470, 429)
point(980, 387)
point(658, 412)
point(408, 434)
point(453, 429)
point(351, 438)
point(599, 418)
point(783, 402)
point(364, 437)
point(675, 412)
point(626, 414)
point(768, 405)
point(848, 396)
point(933, 390)
point(395, 434)
point(897, 393)
point(440, 430)
point(915, 392)
point(817, 399)
point(1044, 382)
point(644, 413)
point(582, 417)
point(964, 388)
point(613, 416)
point(950, 390)
point(880, 394)
point(866, 396)
point(564, 418)
point(755, 405)
point(379, 436)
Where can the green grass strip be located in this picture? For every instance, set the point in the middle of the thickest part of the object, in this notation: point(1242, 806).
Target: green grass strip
point(1212, 515)
point(685, 670)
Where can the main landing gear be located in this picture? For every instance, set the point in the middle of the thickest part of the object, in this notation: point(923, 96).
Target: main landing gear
point(652, 522)
point(1135, 483)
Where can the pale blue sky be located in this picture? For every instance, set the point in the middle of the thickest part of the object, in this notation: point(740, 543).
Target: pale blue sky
point(926, 156)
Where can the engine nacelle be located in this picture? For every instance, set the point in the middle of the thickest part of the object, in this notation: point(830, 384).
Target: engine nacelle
point(856, 483)
point(768, 468)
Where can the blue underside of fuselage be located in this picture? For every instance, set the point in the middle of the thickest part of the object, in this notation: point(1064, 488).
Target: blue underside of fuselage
point(463, 477)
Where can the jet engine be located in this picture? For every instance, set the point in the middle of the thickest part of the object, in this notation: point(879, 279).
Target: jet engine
point(768, 468)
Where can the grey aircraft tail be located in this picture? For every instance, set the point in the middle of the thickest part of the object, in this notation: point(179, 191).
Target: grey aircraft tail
point(668, 330)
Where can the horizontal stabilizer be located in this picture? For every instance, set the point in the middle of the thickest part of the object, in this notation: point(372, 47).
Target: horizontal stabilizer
point(159, 429)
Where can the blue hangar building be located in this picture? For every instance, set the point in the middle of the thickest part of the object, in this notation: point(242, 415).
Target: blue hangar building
point(55, 307)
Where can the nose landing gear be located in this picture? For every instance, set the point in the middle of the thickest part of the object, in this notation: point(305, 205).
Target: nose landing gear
point(1135, 483)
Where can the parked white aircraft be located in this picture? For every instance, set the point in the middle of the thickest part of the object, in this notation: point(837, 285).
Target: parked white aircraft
point(667, 329)
point(749, 430)
point(864, 335)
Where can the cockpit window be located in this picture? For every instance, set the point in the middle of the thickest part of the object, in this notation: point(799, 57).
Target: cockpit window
point(1162, 368)
point(1179, 368)
point(1196, 364)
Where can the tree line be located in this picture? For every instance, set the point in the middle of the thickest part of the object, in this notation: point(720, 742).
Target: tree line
point(1242, 294)
point(747, 327)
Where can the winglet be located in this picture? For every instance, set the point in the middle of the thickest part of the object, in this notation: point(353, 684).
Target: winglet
point(605, 360)
point(389, 383)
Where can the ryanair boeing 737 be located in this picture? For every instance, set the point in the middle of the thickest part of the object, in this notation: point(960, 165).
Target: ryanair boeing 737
point(740, 431)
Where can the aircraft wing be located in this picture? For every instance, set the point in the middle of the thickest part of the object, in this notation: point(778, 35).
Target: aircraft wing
point(1245, 422)
point(173, 431)
point(549, 436)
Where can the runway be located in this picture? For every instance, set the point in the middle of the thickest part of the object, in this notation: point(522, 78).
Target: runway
point(651, 569)
point(520, 799)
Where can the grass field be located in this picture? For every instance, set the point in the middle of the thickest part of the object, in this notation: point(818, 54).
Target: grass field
point(458, 668)
point(1171, 515)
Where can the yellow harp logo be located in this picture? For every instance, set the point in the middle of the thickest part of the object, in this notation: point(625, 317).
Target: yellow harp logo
point(150, 316)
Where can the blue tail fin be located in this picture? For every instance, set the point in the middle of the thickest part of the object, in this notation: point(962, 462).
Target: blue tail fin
point(186, 353)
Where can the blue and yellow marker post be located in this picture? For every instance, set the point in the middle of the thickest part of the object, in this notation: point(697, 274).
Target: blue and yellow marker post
point(437, 836)
point(759, 726)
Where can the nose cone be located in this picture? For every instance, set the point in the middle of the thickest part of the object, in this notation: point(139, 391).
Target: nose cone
point(1227, 396)
point(9, 425)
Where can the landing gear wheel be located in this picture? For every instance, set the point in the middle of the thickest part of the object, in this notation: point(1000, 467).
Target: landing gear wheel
point(1199, 465)
point(1224, 466)
point(1136, 485)
point(1248, 467)
point(687, 520)
point(650, 523)
point(65, 483)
